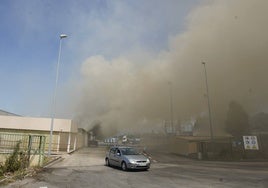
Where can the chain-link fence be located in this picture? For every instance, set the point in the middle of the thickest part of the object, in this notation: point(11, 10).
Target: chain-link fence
point(31, 145)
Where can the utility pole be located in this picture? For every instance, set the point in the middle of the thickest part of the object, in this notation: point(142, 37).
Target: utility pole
point(209, 110)
point(171, 108)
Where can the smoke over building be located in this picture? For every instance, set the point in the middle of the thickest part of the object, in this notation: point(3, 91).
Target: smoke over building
point(132, 91)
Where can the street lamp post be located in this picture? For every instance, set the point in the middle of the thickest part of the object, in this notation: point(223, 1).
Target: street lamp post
point(209, 110)
point(171, 107)
point(62, 36)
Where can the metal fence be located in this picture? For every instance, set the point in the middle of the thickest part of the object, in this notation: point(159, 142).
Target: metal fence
point(31, 145)
point(233, 149)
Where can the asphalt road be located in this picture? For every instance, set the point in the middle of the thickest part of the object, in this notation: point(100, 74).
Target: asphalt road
point(85, 168)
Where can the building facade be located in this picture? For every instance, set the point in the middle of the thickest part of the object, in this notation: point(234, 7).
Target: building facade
point(66, 135)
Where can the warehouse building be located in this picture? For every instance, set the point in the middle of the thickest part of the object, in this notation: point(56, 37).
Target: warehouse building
point(66, 135)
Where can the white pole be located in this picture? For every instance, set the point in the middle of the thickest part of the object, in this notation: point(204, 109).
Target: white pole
point(54, 98)
point(69, 143)
point(75, 142)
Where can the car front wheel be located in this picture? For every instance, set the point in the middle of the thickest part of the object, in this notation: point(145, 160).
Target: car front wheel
point(124, 166)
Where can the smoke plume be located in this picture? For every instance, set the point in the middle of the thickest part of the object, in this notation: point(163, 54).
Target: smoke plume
point(230, 36)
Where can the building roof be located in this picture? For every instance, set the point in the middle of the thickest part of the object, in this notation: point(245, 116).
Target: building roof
point(203, 138)
point(5, 113)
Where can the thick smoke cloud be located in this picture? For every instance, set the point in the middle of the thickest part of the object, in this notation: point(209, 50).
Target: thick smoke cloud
point(230, 36)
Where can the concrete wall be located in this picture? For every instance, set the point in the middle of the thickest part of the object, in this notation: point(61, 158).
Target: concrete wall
point(82, 138)
point(39, 124)
point(170, 144)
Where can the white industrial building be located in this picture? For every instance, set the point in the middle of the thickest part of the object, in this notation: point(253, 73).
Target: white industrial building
point(66, 135)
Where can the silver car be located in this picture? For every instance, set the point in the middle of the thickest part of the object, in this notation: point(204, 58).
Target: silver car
point(126, 158)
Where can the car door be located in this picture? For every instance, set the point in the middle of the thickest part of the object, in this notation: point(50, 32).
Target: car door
point(117, 157)
point(112, 156)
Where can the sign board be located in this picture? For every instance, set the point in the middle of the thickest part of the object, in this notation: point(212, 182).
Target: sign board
point(250, 142)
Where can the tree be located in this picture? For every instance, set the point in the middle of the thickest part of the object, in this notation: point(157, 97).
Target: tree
point(201, 126)
point(237, 121)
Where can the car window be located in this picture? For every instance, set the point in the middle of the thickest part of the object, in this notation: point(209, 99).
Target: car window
point(112, 151)
point(118, 151)
point(129, 151)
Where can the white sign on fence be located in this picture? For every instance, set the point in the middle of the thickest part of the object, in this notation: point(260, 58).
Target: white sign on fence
point(250, 142)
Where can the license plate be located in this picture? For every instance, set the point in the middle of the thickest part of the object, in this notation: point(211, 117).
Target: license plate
point(142, 164)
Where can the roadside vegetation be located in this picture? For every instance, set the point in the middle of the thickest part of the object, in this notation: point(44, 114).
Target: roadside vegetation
point(15, 166)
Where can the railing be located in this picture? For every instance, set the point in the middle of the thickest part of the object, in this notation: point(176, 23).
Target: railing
point(31, 145)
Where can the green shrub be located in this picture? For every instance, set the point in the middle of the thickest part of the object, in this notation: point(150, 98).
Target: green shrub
point(13, 162)
point(1, 169)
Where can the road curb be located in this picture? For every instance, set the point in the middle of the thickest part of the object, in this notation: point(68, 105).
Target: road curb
point(54, 161)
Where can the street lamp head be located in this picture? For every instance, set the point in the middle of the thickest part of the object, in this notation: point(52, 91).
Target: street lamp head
point(63, 36)
point(203, 63)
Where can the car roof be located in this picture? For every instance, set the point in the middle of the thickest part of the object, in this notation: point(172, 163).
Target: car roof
point(121, 147)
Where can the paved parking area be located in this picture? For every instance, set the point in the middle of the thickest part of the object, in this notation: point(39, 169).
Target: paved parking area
point(85, 168)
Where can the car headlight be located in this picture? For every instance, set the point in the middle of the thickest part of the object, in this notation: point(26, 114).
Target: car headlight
point(132, 161)
point(148, 161)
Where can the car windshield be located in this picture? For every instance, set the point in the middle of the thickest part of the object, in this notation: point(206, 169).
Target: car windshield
point(129, 151)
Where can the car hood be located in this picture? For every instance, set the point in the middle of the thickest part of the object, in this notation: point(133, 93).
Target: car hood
point(136, 157)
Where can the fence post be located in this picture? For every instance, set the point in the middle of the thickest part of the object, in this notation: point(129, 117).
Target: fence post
point(39, 150)
point(58, 144)
point(29, 150)
point(42, 141)
point(231, 148)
